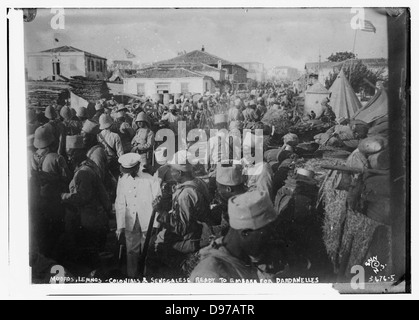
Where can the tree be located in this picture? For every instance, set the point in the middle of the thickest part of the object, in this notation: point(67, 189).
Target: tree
point(341, 56)
point(356, 72)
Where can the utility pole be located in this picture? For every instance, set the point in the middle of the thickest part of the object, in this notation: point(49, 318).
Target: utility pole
point(320, 61)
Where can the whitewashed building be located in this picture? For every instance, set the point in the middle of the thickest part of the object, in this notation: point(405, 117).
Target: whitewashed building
point(65, 61)
point(173, 81)
point(231, 71)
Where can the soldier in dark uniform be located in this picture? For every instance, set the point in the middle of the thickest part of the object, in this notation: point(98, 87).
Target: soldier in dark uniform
point(247, 245)
point(49, 177)
point(230, 182)
point(58, 128)
point(88, 206)
point(72, 127)
point(124, 129)
point(183, 231)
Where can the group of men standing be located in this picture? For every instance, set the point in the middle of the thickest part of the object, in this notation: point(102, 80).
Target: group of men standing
point(86, 170)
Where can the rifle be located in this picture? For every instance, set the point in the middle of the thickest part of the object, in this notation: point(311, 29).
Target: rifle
point(141, 264)
point(355, 170)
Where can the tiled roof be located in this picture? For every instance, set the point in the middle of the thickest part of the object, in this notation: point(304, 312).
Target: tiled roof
point(70, 49)
point(161, 72)
point(198, 56)
point(196, 67)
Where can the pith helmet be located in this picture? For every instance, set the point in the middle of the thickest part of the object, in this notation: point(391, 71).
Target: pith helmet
point(105, 121)
point(50, 113)
point(82, 112)
point(65, 113)
point(44, 137)
point(91, 127)
point(142, 117)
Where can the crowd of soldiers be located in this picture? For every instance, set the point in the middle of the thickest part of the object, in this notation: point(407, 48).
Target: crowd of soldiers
point(94, 165)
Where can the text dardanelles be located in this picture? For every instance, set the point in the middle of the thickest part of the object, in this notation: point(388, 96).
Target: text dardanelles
point(251, 146)
point(273, 280)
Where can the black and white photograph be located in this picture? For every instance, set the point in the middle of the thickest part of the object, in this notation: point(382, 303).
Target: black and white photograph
point(166, 146)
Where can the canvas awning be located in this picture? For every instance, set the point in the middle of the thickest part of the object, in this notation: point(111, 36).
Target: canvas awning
point(375, 109)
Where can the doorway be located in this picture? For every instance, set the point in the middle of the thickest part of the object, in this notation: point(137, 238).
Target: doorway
point(56, 70)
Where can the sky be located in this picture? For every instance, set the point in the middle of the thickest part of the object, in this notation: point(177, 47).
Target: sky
point(273, 36)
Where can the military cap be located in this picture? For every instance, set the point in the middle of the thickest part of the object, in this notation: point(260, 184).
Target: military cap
point(251, 210)
point(129, 160)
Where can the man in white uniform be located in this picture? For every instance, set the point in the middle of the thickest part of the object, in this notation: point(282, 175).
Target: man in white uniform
point(135, 194)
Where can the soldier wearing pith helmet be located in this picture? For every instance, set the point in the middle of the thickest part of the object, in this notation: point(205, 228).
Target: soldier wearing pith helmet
point(58, 129)
point(111, 142)
point(49, 177)
point(143, 141)
point(88, 200)
point(95, 150)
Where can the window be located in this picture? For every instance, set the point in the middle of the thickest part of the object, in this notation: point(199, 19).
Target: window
point(39, 64)
point(73, 64)
point(98, 66)
point(140, 89)
point(206, 86)
point(92, 66)
point(88, 65)
point(162, 88)
point(184, 87)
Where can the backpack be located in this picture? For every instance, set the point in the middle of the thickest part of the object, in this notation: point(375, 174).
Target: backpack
point(296, 199)
point(113, 163)
point(41, 181)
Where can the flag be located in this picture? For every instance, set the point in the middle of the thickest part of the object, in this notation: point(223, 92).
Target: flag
point(77, 101)
point(368, 26)
point(129, 54)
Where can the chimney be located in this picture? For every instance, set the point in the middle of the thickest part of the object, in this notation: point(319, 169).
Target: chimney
point(203, 48)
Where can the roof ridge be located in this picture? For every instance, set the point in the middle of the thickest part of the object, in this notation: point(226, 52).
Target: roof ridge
point(214, 56)
point(70, 49)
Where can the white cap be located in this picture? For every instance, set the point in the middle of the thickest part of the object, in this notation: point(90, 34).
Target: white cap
point(129, 160)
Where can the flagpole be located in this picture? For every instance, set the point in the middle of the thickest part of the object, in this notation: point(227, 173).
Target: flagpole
point(353, 48)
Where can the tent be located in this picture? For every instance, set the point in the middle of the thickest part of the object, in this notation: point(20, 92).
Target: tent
point(343, 100)
point(375, 109)
point(313, 98)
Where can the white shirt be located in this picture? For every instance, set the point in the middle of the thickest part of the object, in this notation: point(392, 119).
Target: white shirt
point(134, 198)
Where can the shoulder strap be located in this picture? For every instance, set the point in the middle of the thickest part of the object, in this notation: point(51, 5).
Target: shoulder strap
point(92, 149)
point(107, 144)
point(40, 161)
